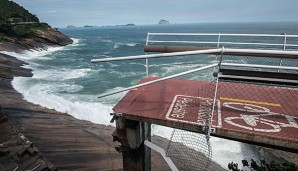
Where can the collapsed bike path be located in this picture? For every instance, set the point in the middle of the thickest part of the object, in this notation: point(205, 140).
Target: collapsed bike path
point(257, 114)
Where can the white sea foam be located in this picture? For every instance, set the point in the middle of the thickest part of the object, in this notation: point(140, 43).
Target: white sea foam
point(112, 99)
point(28, 55)
point(131, 44)
point(76, 42)
point(61, 74)
point(39, 94)
point(105, 40)
point(57, 87)
point(46, 94)
point(38, 54)
point(117, 45)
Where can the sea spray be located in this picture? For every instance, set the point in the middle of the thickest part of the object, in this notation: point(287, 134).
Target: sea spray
point(38, 94)
point(38, 90)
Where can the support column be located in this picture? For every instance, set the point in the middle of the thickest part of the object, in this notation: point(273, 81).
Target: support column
point(132, 134)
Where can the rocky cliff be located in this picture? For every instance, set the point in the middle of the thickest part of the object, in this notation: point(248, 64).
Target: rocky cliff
point(41, 39)
point(20, 28)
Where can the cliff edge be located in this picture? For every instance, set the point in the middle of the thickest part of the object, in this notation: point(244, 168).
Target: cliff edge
point(22, 30)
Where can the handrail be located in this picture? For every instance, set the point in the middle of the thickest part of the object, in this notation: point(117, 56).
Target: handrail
point(231, 43)
point(282, 44)
point(158, 80)
point(263, 51)
point(195, 52)
point(218, 50)
point(222, 34)
point(158, 55)
point(260, 66)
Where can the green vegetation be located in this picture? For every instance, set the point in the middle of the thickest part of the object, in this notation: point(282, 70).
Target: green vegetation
point(15, 21)
point(3, 38)
point(263, 166)
point(10, 10)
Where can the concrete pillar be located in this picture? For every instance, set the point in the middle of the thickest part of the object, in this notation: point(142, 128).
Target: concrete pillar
point(132, 134)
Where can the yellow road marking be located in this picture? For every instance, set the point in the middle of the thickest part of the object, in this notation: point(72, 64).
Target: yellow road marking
point(134, 89)
point(250, 101)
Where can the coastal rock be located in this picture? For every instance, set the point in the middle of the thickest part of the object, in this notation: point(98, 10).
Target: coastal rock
point(163, 22)
point(40, 40)
point(54, 36)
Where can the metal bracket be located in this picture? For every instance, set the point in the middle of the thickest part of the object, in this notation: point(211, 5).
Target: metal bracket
point(115, 116)
point(162, 153)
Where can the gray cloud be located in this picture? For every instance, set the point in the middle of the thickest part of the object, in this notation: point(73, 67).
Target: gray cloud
point(60, 13)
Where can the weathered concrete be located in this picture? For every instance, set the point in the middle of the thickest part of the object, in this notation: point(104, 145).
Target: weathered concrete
point(17, 152)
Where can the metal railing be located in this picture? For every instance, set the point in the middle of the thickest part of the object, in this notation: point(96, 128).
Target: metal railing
point(282, 38)
point(246, 105)
point(219, 63)
point(222, 50)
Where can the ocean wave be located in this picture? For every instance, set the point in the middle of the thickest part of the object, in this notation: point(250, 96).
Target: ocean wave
point(112, 99)
point(76, 42)
point(106, 41)
point(91, 111)
point(33, 54)
point(61, 74)
point(118, 45)
point(58, 87)
point(103, 55)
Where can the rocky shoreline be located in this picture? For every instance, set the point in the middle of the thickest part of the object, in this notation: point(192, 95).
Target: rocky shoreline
point(41, 40)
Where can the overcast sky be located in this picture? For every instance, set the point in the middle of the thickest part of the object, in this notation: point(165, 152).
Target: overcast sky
point(60, 13)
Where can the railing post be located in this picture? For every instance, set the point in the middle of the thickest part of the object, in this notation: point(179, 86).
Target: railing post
point(218, 40)
point(215, 92)
point(147, 60)
point(285, 41)
point(280, 63)
point(147, 66)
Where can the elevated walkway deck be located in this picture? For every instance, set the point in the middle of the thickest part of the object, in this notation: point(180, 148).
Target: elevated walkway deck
point(238, 116)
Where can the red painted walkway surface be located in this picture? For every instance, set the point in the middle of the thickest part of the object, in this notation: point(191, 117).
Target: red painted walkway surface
point(244, 112)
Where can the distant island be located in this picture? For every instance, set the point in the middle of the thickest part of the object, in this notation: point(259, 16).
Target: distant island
point(70, 26)
point(130, 24)
point(88, 26)
point(163, 22)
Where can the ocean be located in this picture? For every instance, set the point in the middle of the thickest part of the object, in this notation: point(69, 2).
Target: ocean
point(64, 78)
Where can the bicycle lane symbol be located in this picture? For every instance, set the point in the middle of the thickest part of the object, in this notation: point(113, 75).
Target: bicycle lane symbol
point(259, 118)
